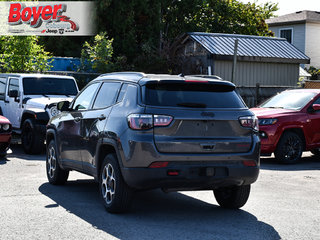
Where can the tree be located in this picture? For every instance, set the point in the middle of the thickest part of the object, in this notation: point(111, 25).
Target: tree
point(97, 56)
point(143, 30)
point(23, 54)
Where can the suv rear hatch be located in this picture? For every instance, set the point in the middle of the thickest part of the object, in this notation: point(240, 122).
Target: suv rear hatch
point(205, 116)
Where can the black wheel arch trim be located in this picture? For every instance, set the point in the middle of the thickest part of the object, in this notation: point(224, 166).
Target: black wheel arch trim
point(40, 117)
point(103, 143)
point(52, 131)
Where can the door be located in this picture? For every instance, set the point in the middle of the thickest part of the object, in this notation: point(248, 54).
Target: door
point(314, 126)
point(70, 129)
point(14, 105)
point(94, 121)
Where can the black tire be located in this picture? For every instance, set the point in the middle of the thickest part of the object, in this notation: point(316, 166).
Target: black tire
point(115, 193)
point(32, 141)
point(55, 174)
point(289, 149)
point(316, 152)
point(233, 197)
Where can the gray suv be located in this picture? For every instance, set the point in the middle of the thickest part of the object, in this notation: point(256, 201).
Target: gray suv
point(136, 131)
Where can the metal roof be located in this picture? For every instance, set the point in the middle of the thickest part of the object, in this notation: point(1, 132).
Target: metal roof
point(250, 48)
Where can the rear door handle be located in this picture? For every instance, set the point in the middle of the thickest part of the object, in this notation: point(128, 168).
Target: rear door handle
point(102, 117)
point(77, 119)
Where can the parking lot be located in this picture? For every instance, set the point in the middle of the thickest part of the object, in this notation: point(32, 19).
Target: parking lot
point(284, 204)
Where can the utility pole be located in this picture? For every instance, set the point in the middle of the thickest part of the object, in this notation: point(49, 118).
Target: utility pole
point(234, 66)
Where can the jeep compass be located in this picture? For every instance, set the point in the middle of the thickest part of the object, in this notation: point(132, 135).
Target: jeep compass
point(136, 131)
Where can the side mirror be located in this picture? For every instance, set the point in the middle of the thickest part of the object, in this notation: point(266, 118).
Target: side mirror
point(63, 106)
point(316, 107)
point(14, 94)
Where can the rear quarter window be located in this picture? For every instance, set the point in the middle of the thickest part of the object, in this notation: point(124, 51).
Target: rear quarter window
point(193, 95)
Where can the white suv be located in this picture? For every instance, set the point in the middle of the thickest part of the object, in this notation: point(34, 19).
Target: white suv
point(29, 101)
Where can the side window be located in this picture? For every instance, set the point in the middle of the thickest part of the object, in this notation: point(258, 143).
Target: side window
point(83, 101)
point(3, 82)
point(13, 84)
point(107, 95)
point(122, 92)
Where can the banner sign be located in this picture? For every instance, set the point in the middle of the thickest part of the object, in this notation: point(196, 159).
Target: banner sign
point(47, 18)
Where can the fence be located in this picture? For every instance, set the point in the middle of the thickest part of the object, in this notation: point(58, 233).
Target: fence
point(255, 95)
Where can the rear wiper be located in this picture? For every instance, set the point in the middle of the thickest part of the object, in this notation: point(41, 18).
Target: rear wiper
point(192, 105)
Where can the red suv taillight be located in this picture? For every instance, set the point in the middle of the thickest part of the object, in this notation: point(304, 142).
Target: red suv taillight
point(249, 122)
point(148, 121)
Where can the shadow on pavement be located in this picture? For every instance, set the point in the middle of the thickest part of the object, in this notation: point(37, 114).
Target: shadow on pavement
point(18, 152)
point(3, 160)
point(156, 215)
point(306, 163)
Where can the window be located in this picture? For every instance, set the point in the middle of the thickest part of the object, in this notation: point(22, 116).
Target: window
point(287, 34)
point(3, 82)
point(122, 92)
point(107, 95)
point(83, 101)
point(293, 100)
point(13, 84)
point(49, 86)
point(193, 95)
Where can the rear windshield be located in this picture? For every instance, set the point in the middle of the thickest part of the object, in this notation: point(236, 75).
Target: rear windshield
point(49, 86)
point(192, 95)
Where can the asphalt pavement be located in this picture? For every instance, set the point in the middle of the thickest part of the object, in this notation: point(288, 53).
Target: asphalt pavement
point(284, 204)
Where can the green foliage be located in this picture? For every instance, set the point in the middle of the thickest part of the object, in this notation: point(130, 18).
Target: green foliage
point(315, 73)
point(143, 30)
point(23, 54)
point(98, 55)
point(216, 16)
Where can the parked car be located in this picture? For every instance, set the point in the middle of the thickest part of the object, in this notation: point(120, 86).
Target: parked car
point(290, 124)
point(5, 135)
point(133, 131)
point(29, 100)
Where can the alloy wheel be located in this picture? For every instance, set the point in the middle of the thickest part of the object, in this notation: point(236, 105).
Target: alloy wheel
point(52, 162)
point(292, 148)
point(108, 185)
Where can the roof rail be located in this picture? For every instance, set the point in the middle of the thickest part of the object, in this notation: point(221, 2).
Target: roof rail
point(138, 74)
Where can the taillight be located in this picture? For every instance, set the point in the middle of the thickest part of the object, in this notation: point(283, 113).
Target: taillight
point(161, 120)
point(249, 122)
point(148, 121)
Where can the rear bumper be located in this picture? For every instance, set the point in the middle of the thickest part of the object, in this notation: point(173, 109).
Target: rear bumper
point(191, 175)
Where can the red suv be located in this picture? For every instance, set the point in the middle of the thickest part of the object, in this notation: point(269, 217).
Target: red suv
point(290, 124)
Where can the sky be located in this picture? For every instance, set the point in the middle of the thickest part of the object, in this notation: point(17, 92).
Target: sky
point(291, 6)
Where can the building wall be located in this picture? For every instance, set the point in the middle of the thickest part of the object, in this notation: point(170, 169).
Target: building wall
point(299, 35)
point(266, 74)
point(312, 44)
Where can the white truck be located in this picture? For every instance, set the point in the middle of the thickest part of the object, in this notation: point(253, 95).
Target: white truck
point(29, 101)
